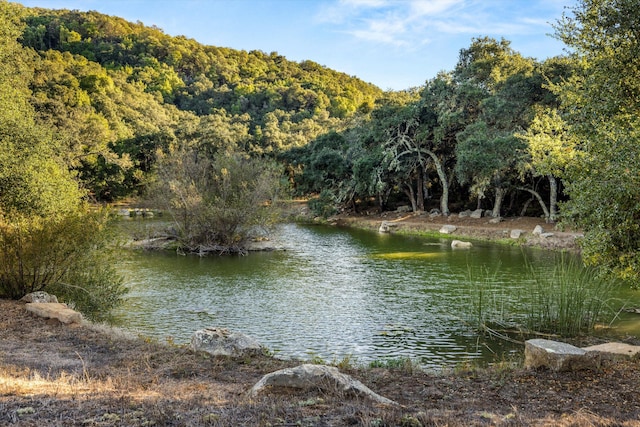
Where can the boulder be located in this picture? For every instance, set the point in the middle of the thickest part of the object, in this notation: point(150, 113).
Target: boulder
point(496, 220)
point(558, 356)
point(477, 213)
point(459, 244)
point(464, 214)
point(222, 342)
point(404, 209)
point(39, 296)
point(546, 235)
point(516, 234)
point(54, 310)
point(318, 377)
point(386, 227)
point(448, 229)
point(616, 350)
point(537, 230)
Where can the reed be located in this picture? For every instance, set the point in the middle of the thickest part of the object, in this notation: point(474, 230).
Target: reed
point(570, 299)
point(566, 300)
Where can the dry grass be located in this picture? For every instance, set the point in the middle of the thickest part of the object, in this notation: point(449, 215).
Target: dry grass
point(53, 375)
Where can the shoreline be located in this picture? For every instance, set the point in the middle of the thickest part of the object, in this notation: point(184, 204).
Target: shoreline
point(86, 375)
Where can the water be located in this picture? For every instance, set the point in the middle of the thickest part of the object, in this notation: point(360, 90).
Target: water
point(334, 293)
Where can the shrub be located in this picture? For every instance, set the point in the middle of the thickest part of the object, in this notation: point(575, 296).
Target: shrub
point(67, 255)
point(217, 205)
point(323, 205)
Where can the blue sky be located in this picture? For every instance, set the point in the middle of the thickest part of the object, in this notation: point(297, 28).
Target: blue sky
point(395, 44)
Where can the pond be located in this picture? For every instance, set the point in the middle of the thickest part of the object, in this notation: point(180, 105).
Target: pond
point(332, 294)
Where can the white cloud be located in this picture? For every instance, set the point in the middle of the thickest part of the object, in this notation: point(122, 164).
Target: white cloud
point(432, 7)
point(414, 22)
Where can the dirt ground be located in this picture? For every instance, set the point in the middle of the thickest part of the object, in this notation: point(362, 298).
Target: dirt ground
point(57, 375)
point(555, 237)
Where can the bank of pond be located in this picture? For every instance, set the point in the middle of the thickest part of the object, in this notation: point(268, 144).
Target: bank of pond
point(345, 294)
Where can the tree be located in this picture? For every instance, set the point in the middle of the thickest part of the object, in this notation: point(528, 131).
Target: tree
point(216, 205)
point(551, 149)
point(601, 104)
point(489, 74)
point(48, 238)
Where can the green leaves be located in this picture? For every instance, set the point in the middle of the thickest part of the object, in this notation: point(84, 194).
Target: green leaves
point(601, 104)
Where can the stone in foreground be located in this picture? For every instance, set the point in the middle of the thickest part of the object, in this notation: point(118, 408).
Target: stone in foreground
point(616, 350)
point(54, 310)
point(222, 342)
point(558, 356)
point(318, 377)
point(39, 296)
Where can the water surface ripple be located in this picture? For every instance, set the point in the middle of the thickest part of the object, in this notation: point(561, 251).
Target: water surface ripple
point(334, 293)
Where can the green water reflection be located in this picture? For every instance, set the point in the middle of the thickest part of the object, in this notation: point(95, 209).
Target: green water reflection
point(333, 293)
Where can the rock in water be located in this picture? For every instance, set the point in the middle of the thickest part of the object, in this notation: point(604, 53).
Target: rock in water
point(459, 244)
point(318, 377)
point(222, 342)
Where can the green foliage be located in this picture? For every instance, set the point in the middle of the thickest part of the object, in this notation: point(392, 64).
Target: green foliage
point(567, 300)
point(217, 205)
point(67, 256)
point(324, 205)
point(48, 240)
point(288, 103)
point(601, 106)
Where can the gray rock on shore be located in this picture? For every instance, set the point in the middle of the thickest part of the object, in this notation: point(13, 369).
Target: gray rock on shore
point(324, 378)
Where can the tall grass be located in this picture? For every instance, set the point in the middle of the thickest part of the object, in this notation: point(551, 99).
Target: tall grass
point(567, 300)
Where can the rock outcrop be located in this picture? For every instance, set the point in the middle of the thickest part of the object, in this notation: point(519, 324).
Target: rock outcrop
point(477, 213)
point(39, 296)
point(558, 356)
point(615, 350)
point(516, 233)
point(54, 310)
point(537, 230)
point(459, 244)
point(327, 379)
point(222, 342)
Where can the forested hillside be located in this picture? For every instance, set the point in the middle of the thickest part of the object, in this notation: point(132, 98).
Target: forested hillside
point(119, 91)
point(124, 108)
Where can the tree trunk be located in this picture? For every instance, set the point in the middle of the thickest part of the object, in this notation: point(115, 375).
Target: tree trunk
point(420, 195)
point(497, 204)
point(553, 199)
point(539, 199)
point(408, 190)
point(444, 200)
point(526, 206)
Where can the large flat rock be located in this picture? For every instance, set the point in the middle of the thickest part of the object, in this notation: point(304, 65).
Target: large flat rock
point(558, 356)
point(616, 350)
point(54, 310)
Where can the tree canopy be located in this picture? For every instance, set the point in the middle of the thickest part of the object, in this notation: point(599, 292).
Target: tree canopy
point(111, 105)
